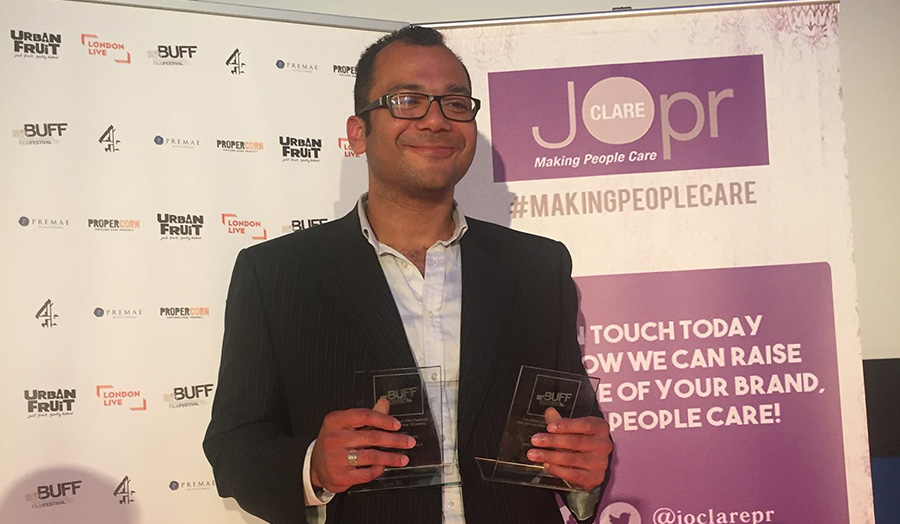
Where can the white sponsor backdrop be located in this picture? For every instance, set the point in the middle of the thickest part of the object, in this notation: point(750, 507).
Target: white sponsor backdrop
point(138, 346)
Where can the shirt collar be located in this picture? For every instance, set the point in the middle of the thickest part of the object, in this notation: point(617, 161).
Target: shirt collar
point(459, 224)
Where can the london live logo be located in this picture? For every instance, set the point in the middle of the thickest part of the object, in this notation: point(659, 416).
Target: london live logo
point(35, 45)
point(99, 47)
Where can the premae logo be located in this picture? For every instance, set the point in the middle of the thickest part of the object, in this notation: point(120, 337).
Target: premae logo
point(234, 61)
point(42, 403)
point(118, 313)
point(114, 224)
point(40, 134)
point(107, 49)
point(629, 118)
point(179, 227)
point(553, 392)
point(35, 45)
point(44, 223)
point(188, 396)
point(114, 397)
point(179, 313)
point(195, 485)
point(343, 70)
point(46, 316)
point(181, 143)
point(300, 149)
point(303, 223)
point(172, 55)
point(54, 494)
point(344, 144)
point(239, 146)
point(239, 226)
point(296, 67)
point(108, 140)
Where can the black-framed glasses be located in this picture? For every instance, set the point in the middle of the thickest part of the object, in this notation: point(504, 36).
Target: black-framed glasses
point(413, 106)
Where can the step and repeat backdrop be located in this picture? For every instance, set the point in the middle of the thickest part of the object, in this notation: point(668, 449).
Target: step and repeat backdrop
point(692, 161)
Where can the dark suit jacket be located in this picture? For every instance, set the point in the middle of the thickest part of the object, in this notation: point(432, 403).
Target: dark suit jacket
point(306, 310)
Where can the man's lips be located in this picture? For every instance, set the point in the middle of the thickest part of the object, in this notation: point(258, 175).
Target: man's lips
point(437, 150)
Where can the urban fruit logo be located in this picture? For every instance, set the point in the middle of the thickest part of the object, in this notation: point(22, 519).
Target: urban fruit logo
point(179, 227)
point(295, 149)
point(42, 403)
point(35, 45)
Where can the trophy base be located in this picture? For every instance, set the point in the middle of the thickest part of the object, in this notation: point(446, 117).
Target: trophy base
point(521, 474)
point(414, 477)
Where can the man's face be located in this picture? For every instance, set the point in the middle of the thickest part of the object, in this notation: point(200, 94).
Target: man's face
point(420, 159)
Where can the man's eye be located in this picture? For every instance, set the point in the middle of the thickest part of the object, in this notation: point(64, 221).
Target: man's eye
point(407, 100)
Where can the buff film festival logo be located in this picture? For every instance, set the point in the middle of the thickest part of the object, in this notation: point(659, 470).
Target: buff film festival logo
point(179, 227)
point(49, 403)
point(303, 223)
point(188, 396)
point(99, 47)
point(296, 67)
point(48, 133)
point(629, 118)
point(305, 149)
point(240, 226)
point(123, 491)
point(57, 494)
point(554, 392)
point(114, 397)
point(109, 141)
point(172, 55)
point(46, 316)
point(35, 45)
point(234, 62)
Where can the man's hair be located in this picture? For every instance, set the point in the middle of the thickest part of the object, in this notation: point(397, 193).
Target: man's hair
point(365, 68)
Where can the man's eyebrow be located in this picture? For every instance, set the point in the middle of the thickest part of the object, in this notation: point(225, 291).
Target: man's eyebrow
point(418, 88)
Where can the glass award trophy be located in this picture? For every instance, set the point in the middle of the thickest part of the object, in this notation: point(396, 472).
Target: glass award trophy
point(572, 395)
point(416, 396)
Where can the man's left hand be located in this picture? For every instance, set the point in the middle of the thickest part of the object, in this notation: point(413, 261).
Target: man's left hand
point(576, 449)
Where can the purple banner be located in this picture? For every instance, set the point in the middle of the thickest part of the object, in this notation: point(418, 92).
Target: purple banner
point(721, 388)
point(628, 118)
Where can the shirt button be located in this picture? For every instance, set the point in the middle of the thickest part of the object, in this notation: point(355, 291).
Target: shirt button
point(451, 504)
point(430, 314)
point(433, 262)
point(434, 376)
point(404, 264)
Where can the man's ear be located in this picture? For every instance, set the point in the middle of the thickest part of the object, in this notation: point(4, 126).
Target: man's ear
point(356, 134)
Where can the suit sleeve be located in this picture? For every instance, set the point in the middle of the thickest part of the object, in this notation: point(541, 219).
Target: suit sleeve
point(585, 504)
point(255, 458)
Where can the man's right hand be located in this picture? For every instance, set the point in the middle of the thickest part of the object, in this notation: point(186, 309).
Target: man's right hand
point(360, 430)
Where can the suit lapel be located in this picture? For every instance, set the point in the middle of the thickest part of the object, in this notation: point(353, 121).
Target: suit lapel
point(354, 278)
point(486, 294)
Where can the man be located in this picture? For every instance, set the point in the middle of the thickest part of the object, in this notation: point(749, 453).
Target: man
point(404, 280)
